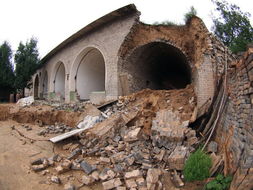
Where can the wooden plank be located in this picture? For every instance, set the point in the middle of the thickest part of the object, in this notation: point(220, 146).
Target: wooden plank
point(66, 135)
point(106, 104)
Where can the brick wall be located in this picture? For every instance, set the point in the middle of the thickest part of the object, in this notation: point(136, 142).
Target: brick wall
point(204, 52)
point(235, 129)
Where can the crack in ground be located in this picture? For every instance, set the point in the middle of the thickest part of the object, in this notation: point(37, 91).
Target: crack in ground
point(31, 140)
point(26, 137)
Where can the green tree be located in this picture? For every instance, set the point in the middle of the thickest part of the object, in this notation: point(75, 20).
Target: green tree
point(27, 61)
point(232, 26)
point(6, 68)
point(190, 14)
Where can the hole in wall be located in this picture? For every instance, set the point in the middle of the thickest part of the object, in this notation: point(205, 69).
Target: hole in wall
point(157, 66)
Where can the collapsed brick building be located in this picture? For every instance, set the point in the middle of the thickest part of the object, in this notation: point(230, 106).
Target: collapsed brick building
point(118, 55)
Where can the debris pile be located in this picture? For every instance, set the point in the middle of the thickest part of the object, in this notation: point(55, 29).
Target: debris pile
point(145, 138)
point(75, 107)
point(57, 128)
point(114, 108)
point(70, 107)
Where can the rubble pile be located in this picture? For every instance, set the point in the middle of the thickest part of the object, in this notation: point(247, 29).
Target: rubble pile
point(57, 128)
point(144, 139)
point(113, 109)
point(70, 107)
point(75, 107)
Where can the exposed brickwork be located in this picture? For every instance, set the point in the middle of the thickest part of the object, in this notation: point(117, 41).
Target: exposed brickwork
point(191, 38)
point(235, 132)
point(205, 54)
point(219, 55)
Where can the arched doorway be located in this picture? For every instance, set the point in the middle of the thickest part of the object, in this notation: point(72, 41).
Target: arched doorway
point(157, 65)
point(36, 87)
point(45, 85)
point(90, 73)
point(59, 81)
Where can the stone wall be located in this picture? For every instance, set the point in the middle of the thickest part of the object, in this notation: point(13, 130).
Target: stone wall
point(235, 128)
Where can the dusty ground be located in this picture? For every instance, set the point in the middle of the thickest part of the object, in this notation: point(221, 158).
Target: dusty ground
point(48, 115)
point(19, 146)
point(16, 153)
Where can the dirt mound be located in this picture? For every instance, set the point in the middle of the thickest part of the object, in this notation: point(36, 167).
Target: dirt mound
point(148, 101)
point(46, 114)
point(182, 99)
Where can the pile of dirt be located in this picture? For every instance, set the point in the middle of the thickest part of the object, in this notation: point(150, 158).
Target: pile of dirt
point(45, 114)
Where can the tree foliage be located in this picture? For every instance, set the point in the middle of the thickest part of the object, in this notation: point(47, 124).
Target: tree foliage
point(190, 14)
point(27, 61)
point(232, 26)
point(6, 68)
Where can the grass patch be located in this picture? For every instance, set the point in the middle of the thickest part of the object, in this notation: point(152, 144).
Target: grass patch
point(219, 183)
point(197, 166)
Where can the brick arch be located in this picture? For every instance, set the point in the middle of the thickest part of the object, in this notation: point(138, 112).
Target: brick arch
point(36, 87)
point(88, 72)
point(58, 79)
point(202, 76)
point(45, 84)
point(157, 65)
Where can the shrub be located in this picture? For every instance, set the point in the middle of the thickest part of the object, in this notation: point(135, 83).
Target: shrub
point(219, 183)
point(197, 166)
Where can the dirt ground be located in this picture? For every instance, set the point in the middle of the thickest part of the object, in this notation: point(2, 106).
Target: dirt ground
point(16, 153)
point(46, 114)
point(15, 156)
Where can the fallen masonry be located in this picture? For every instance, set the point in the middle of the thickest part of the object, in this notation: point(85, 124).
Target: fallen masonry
point(57, 128)
point(146, 138)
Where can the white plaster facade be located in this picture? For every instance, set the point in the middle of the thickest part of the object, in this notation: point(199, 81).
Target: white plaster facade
point(97, 48)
